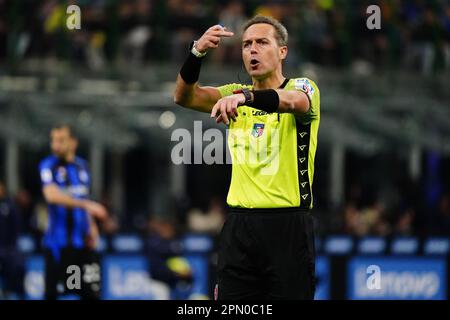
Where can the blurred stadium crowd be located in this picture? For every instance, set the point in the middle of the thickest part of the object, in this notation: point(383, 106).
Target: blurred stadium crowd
point(414, 35)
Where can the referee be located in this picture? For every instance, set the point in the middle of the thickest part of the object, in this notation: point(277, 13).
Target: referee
point(267, 243)
point(71, 234)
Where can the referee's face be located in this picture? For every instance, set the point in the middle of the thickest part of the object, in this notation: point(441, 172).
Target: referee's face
point(261, 53)
point(60, 142)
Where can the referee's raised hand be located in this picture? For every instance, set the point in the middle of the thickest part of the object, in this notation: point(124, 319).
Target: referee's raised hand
point(211, 38)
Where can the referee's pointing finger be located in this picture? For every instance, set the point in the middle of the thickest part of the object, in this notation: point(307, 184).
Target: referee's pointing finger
point(226, 34)
point(220, 31)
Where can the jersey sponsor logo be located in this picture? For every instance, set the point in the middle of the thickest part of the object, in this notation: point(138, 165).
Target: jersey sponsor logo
point(258, 130)
point(61, 174)
point(259, 113)
point(46, 175)
point(78, 191)
point(305, 86)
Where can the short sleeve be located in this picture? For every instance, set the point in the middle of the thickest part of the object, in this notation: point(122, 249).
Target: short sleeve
point(227, 90)
point(312, 92)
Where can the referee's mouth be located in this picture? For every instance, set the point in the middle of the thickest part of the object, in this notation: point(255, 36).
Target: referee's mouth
point(254, 63)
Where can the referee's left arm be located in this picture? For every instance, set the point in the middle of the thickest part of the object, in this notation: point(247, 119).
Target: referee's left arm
point(292, 101)
point(271, 100)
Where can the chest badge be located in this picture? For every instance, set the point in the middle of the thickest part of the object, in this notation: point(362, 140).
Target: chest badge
point(258, 130)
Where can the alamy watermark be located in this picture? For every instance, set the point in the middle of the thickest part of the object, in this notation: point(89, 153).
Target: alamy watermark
point(259, 146)
point(73, 21)
point(90, 274)
point(374, 20)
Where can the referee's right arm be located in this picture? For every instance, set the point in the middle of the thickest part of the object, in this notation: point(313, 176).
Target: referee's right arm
point(187, 91)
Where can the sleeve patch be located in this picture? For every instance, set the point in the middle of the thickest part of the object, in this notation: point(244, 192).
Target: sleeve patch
point(46, 176)
point(305, 86)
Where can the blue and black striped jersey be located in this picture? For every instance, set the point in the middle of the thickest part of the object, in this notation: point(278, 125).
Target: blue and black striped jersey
point(67, 227)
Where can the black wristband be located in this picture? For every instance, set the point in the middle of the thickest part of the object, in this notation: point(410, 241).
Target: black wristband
point(266, 100)
point(190, 71)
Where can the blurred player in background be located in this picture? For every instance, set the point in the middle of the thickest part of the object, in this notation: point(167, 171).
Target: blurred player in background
point(72, 233)
point(267, 243)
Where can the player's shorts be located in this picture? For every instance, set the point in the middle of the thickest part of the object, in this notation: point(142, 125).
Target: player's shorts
point(74, 272)
point(266, 254)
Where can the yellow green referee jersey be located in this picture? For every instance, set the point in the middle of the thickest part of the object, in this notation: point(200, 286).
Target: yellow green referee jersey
point(273, 153)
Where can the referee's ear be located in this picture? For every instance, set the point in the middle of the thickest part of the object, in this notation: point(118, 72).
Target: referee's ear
point(283, 51)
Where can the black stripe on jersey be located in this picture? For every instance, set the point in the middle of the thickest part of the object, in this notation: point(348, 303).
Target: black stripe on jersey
point(53, 213)
point(69, 211)
point(303, 135)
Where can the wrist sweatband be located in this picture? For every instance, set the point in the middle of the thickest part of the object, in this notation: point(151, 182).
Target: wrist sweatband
point(266, 100)
point(190, 71)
